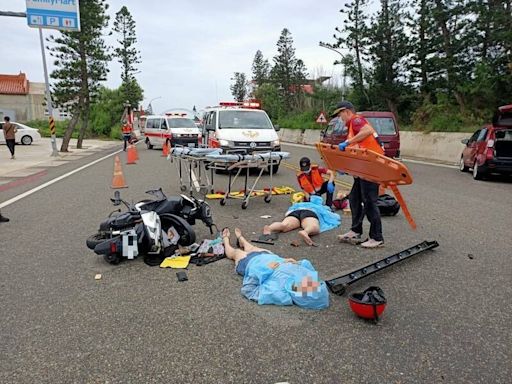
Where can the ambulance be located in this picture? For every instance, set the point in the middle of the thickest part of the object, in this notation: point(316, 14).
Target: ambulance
point(175, 128)
point(239, 127)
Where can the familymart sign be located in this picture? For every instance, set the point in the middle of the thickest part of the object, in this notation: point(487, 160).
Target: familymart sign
point(55, 14)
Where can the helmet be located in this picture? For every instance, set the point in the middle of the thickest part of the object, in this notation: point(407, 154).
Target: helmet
point(369, 304)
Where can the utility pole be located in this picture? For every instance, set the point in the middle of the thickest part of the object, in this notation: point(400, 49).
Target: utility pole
point(328, 46)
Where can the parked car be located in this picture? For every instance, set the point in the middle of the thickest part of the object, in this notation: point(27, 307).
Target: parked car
point(383, 122)
point(24, 135)
point(489, 149)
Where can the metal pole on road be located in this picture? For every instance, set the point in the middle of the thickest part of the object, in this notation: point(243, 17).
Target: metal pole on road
point(55, 152)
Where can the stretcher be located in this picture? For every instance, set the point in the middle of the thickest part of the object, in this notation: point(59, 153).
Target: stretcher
point(192, 167)
point(371, 166)
point(233, 162)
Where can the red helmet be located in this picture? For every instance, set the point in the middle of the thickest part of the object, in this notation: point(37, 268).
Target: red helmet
point(369, 304)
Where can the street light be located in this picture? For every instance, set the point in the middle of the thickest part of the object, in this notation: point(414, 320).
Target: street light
point(156, 98)
point(324, 45)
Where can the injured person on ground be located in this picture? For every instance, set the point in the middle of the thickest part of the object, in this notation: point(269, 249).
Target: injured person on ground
point(313, 217)
point(270, 279)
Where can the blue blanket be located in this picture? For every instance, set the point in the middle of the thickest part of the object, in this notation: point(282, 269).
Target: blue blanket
point(278, 286)
point(328, 219)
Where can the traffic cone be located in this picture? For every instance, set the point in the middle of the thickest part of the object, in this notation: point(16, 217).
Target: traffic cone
point(131, 155)
point(135, 152)
point(166, 149)
point(118, 179)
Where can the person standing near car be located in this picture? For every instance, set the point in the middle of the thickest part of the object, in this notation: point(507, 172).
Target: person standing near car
point(311, 180)
point(10, 135)
point(127, 133)
point(364, 194)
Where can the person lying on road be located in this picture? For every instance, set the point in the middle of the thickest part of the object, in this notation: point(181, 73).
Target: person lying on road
point(313, 217)
point(270, 279)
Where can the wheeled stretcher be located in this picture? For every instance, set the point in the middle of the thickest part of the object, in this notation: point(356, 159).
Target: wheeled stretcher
point(192, 167)
point(264, 161)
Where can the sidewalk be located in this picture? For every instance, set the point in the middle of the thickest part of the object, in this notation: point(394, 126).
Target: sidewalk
point(33, 159)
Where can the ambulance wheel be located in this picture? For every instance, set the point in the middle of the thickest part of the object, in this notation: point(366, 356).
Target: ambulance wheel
point(148, 144)
point(112, 259)
point(267, 198)
point(245, 205)
point(183, 188)
point(223, 202)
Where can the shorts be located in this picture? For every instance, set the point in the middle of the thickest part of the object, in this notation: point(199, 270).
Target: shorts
point(242, 264)
point(302, 214)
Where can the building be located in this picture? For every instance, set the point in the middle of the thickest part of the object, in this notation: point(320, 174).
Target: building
point(23, 100)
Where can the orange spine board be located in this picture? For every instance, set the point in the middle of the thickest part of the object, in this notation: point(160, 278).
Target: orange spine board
point(365, 164)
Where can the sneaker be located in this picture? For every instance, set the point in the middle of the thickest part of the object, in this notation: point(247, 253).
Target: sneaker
point(370, 243)
point(350, 237)
point(12, 157)
point(3, 219)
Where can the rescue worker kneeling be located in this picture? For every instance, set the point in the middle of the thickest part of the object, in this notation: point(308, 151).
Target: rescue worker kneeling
point(312, 183)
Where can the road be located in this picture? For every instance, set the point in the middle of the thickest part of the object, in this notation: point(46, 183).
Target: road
point(447, 320)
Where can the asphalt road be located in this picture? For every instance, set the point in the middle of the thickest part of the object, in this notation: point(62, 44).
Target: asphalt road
point(447, 321)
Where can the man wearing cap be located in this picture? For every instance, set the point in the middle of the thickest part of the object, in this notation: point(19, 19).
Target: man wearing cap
point(312, 183)
point(364, 194)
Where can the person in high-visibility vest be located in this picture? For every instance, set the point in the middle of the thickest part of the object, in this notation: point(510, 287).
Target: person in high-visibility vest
point(127, 133)
point(312, 183)
point(364, 194)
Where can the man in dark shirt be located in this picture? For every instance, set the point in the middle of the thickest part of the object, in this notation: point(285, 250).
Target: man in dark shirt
point(9, 135)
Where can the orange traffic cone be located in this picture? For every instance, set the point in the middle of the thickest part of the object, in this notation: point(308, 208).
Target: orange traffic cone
point(131, 155)
point(118, 179)
point(166, 149)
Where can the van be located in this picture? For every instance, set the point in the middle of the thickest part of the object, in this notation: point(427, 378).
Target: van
point(173, 128)
point(240, 127)
point(383, 122)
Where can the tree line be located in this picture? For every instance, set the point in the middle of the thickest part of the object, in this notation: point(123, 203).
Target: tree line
point(81, 61)
point(437, 64)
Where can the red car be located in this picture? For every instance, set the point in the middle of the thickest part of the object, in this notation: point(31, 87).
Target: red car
point(383, 122)
point(489, 149)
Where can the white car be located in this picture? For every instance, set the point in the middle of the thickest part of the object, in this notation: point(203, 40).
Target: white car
point(24, 135)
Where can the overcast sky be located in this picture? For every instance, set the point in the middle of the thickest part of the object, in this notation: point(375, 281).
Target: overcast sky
point(190, 49)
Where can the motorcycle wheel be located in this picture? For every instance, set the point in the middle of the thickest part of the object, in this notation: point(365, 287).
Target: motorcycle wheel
point(113, 259)
point(93, 240)
point(184, 229)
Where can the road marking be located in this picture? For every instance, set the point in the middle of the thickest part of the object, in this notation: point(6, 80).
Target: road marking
point(48, 183)
point(403, 159)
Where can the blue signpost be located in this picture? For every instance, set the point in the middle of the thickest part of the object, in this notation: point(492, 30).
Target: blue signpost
point(56, 14)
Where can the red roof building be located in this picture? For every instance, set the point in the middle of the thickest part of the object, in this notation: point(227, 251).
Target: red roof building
point(14, 84)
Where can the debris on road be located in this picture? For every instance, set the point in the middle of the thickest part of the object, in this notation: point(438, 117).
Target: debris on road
point(98, 276)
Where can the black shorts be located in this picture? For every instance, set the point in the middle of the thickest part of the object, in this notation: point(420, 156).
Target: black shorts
point(302, 214)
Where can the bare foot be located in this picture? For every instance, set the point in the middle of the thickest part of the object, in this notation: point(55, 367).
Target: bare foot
point(226, 233)
point(238, 233)
point(305, 237)
point(266, 230)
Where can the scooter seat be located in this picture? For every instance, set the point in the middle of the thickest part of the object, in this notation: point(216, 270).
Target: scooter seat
point(170, 205)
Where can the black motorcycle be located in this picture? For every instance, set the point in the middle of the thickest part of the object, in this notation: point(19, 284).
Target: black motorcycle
point(150, 220)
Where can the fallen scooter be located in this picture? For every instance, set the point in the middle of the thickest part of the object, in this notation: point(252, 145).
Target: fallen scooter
point(150, 227)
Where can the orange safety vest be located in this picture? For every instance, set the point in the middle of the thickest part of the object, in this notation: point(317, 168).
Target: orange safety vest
point(126, 129)
point(311, 186)
point(370, 142)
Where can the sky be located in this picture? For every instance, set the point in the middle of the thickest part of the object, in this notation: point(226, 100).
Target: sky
point(190, 49)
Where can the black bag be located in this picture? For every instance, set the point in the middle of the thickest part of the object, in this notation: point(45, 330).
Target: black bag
point(388, 206)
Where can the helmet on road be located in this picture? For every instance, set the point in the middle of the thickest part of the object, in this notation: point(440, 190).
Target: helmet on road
point(369, 304)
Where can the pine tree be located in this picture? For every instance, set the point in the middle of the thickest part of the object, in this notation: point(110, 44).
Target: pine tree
point(239, 87)
point(387, 52)
point(81, 59)
point(288, 72)
point(260, 69)
point(128, 55)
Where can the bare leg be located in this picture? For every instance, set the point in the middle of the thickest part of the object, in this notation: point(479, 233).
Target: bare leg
point(311, 226)
point(288, 224)
point(246, 245)
point(231, 253)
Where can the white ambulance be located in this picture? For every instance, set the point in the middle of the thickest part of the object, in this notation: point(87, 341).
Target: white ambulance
point(239, 127)
point(175, 128)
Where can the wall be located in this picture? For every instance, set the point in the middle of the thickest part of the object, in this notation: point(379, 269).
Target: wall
point(437, 146)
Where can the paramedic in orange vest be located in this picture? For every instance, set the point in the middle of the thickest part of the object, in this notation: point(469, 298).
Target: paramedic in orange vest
point(312, 183)
point(364, 194)
point(127, 133)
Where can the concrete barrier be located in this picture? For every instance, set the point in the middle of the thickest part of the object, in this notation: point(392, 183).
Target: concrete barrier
point(438, 146)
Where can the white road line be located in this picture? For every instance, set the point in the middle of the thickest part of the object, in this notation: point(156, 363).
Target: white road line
point(403, 159)
point(48, 183)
